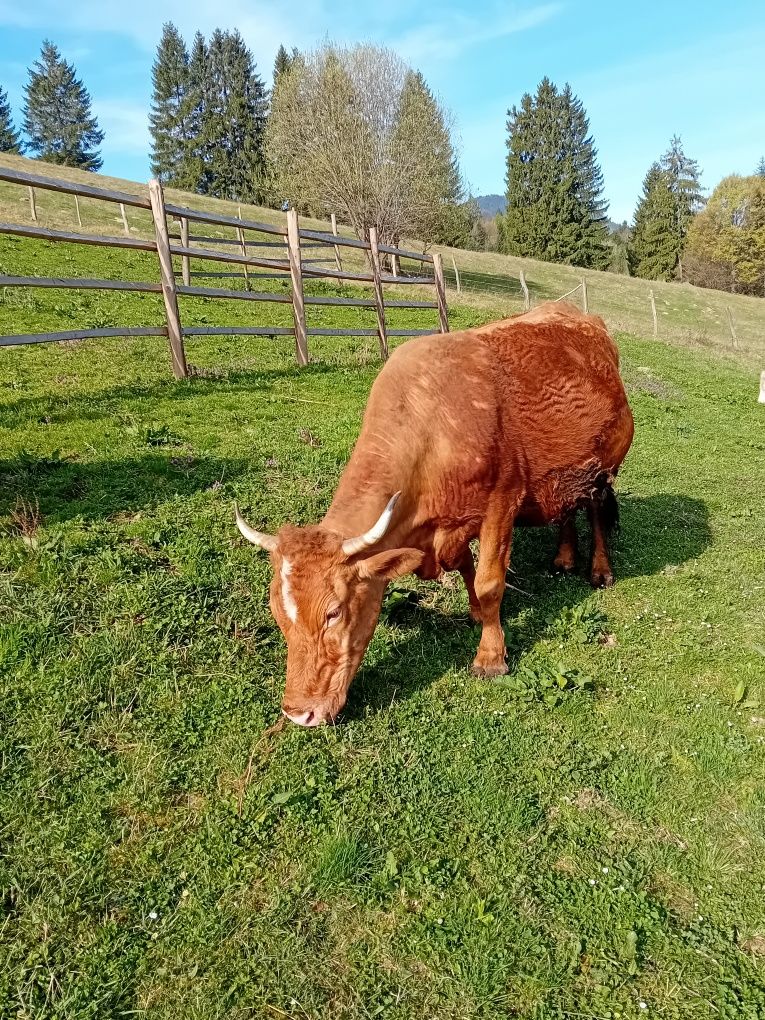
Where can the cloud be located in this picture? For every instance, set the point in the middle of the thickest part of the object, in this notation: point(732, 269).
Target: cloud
point(264, 25)
point(448, 37)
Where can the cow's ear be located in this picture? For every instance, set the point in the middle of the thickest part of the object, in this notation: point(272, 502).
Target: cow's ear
point(390, 564)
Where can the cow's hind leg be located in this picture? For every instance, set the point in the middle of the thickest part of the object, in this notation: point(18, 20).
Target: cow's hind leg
point(495, 540)
point(604, 517)
point(565, 558)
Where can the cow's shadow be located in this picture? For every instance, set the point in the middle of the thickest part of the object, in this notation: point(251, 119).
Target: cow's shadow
point(657, 532)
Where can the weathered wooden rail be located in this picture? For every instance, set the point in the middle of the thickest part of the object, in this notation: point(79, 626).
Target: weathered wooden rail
point(182, 246)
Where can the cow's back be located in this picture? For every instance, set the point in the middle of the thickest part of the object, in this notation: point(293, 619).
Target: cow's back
point(533, 403)
point(568, 410)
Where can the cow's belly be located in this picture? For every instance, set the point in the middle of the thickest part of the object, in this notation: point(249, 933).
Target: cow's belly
point(556, 493)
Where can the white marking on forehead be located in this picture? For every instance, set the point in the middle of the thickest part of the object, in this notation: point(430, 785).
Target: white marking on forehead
point(290, 606)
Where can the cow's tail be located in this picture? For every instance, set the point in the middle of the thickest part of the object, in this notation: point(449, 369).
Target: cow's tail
point(604, 498)
point(610, 505)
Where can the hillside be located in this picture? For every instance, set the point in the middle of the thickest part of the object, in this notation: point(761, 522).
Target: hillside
point(687, 315)
point(490, 205)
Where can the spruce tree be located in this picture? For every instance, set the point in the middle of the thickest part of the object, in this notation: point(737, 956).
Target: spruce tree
point(760, 171)
point(233, 120)
point(555, 206)
point(58, 120)
point(653, 249)
point(283, 62)
point(683, 176)
point(428, 168)
point(196, 149)
point(9, 136)
point(170, 117)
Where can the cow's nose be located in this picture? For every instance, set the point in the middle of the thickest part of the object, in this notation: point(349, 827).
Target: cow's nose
point(307, 718)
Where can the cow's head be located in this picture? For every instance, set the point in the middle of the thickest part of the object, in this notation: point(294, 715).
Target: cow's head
point(326, 595)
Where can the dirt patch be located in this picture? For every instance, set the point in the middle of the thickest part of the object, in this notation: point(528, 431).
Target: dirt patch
point(754, 945)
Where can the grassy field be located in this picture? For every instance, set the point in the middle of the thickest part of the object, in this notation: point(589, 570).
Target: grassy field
point(583, 838)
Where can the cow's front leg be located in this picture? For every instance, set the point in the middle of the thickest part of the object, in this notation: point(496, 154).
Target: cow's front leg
point(495, 541)
point(466, 566)
point(565, 558)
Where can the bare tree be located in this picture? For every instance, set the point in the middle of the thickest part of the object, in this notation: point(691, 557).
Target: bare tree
point(356, 132)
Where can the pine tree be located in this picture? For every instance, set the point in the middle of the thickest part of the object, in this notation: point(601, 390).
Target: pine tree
point(653, 249)
point(760, 171)
point(684, 181)
point(58, 120)
point(171, 113)
point(283, 62)
point(10, 140)
point(233, 120)
point(555, 208)
point(196, 148)
point(428, 168)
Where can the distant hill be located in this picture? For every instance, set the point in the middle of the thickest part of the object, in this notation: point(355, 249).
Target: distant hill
point(490, 205)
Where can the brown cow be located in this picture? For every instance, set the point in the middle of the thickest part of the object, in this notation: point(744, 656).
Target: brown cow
point(465, 435)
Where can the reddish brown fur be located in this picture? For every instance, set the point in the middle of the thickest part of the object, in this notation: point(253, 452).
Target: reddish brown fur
point(521, 421)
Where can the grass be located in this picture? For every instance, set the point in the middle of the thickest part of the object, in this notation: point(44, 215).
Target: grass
point(583, 838)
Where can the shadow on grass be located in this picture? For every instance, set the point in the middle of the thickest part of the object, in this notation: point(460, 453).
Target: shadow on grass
point(659, 531)
point(65, 488)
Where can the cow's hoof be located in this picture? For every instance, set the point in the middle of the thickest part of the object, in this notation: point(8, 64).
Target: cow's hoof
point(601, 579)
point(486, 670)
point(563, 568)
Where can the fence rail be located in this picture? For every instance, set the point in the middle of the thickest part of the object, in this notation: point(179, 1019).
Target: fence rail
point(183, 246)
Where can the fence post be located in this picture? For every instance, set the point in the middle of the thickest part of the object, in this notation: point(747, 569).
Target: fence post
point(296, 272)
point(185, 261)
point(456, 275)
point(77, 210)
point(338, 263)
point(438, 272)
point(124, 217)
point(585, 307)
point(653, 312)
point(382, 332)
point(733, 336)
point(525, 289)
point(243, 246)
point(169, 292)
point(394, 265)
point(32, 206)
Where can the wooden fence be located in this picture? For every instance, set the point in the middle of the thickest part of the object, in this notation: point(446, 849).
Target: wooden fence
point(182, 245)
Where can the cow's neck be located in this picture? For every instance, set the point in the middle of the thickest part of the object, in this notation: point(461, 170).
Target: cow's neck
point(365, 487)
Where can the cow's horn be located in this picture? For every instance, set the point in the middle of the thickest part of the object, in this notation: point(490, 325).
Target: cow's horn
point(256, 537)
point(351, 546)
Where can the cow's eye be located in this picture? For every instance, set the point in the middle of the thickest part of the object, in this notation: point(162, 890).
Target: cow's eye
point(333, 616)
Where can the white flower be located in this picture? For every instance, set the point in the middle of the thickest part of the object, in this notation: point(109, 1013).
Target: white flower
point(643, 1005)
point(604, 870)
point(592, 881)
point(153, 915)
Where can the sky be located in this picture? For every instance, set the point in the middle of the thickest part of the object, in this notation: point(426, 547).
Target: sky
point(644, 71)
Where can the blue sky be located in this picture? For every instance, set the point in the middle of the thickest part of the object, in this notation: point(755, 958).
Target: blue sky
point(644, 71)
